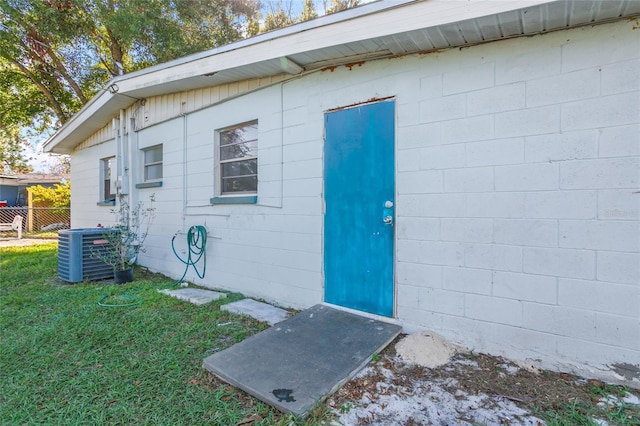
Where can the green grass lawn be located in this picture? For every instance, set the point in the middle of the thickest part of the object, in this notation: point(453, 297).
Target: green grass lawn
point(66, 360)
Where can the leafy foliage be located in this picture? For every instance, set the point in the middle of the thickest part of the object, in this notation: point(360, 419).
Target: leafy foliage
point(58, 196)
point(12, 159)
point(56, 54)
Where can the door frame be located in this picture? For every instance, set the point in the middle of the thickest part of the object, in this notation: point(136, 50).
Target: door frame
point(395, 194)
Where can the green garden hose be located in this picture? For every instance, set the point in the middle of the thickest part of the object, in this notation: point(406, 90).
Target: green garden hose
point(197, 248)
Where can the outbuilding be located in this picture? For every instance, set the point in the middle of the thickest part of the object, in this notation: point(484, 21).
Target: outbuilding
point(468, 167)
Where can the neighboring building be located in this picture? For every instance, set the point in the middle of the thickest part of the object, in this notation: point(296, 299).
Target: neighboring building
point(467, 167)
point(13, 188)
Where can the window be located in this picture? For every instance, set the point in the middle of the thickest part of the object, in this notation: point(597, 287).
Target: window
point(238, 159)
point(107, 166)
point(152, 163)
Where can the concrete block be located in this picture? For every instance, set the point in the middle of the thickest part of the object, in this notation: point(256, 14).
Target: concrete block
point(442, 253)
point(467, 230)
point(494, 152)
point(493, 309)
point(493, 256)
point(528, 287)
point(618, 331)
point(300, 151)
point(420, 182)
point(419, 274)
point(408, 160)
point(469, 129)
point(592, 353)
point(620, 141)
point(560, 262)
point(442, 301)
point(525, 122)
point(431, 86)
point(527, 62)
point(302, 169)
point(496, 99)
point(600, 296)
point(527, 177)
point(408, 296)
point(417, 228)
point(477, 179)
point(600, 173)
point(431, 205)
point(443, 108)
point(495, 205)
point(561, 146)
point(517, 342)
point(526, 232)
point(301, 187)
point(569, 322)
point(417, 318)
point(603, 111)
point(458, 81)
point(621, 204)
point(442, 157)
point(614, 44)
point(561, 205)
point(258, 310)
point(572, 86)
point(611, 235)
point(619, 267)
point(621, 77)
point(467, 280)
point(420, 135)
point(408, 251)
point(408, 113)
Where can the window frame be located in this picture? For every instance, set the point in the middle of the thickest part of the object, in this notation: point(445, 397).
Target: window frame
point(107, 169)
point(146, 165)
point(240, 196)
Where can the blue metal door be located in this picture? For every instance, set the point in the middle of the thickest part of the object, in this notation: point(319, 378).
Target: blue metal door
point(359, 191)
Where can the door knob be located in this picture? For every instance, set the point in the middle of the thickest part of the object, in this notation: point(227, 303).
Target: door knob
point(388, 220)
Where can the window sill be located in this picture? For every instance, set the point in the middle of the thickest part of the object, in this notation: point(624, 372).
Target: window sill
point(149, 184)
point(233, 199)
point(106, 203)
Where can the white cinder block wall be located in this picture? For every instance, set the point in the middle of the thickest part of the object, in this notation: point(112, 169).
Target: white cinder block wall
point(518, 204)
point(517, 172)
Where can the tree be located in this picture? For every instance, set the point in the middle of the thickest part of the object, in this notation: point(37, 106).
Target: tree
point(309, 11)
point(333, 6)
point(12, 158)
point(56, 54)
point(279, 15)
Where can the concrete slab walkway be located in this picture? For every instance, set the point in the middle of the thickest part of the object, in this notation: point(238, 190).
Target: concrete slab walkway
point(258, 310)
point(194, 295)
point(302, 360)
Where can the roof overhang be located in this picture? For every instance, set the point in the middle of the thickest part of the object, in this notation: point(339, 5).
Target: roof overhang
point(375, 30)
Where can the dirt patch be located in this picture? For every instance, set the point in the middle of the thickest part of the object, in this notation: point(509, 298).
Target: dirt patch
point(469, 389)
point(426, 349)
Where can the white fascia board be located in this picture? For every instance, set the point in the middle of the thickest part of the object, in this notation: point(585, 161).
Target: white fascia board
point(103, 103)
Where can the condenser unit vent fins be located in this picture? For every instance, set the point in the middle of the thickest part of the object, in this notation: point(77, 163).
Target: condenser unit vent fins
point(77, 249)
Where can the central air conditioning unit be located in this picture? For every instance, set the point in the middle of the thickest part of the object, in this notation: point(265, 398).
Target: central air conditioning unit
point(76, 255)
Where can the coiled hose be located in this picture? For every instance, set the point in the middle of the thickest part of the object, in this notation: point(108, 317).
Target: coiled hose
point(196, 251)
point(197, 248)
